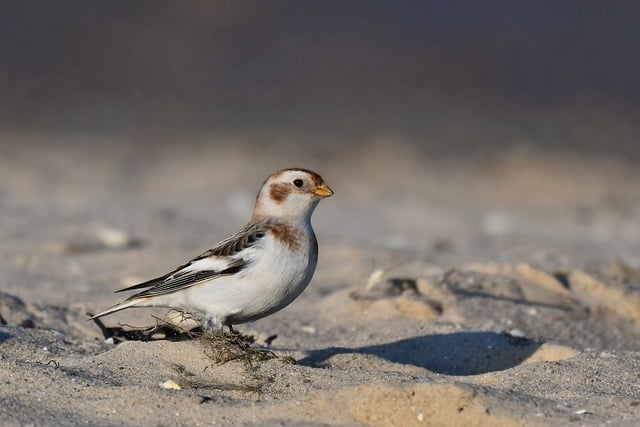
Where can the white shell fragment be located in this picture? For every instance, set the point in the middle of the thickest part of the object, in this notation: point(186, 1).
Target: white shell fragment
point(170, 385)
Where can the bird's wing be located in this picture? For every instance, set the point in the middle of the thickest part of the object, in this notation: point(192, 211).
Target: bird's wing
point(228, 257)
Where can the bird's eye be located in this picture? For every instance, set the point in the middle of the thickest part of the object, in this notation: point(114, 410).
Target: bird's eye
point(297, 182)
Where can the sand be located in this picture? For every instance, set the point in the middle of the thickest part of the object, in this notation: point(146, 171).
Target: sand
point(495, 290)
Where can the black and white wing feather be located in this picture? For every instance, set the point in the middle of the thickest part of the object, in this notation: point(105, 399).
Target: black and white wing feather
point(230, 256)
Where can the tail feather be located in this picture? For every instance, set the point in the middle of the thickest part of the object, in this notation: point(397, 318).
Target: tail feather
point(117, 307)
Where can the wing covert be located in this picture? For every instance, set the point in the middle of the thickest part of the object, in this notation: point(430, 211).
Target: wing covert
point(225, 259)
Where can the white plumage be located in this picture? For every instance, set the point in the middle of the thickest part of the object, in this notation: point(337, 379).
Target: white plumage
point(254, 273)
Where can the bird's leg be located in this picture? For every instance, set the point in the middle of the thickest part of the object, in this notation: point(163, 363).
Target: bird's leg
point(212, 325)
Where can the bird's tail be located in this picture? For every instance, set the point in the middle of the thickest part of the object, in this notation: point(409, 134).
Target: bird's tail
point(117, 307)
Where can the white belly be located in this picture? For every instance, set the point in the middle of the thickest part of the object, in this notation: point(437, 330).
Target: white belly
point(266, 285)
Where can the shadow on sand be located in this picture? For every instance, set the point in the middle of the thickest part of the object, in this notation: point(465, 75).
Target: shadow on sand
point(461, 353)
point(4, 336)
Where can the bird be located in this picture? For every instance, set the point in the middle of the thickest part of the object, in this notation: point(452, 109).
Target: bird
point(255, 272)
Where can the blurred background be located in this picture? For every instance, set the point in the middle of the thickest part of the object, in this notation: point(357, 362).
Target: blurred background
point(449, 76)
point(467, 128)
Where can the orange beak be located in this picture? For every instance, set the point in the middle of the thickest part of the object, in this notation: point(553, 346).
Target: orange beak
point(322, 191)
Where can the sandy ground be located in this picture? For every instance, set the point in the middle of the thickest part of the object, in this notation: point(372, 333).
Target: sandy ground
point(500, 289)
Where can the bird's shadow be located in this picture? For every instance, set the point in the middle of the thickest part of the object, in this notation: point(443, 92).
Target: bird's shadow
point(460, 353)
point(4, 336)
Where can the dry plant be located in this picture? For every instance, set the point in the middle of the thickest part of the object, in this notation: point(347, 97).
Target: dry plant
point(223, 347)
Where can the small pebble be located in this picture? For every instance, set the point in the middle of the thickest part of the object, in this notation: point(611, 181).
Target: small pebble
point(516, 333)
point(309, 329)
point(112, 237)
point(170, 385)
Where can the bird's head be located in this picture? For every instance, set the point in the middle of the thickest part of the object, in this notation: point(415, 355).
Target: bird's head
point(290, 193)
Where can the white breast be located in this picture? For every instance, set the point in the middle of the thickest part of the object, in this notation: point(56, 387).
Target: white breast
point(275, 276)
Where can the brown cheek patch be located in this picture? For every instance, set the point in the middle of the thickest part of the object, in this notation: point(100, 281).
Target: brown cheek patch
point(278, 192)
point(290, 236)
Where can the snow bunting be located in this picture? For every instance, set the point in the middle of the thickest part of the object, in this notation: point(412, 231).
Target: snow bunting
point(254, 273)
